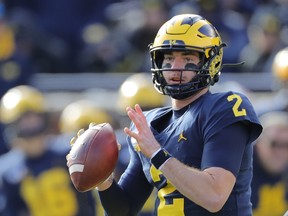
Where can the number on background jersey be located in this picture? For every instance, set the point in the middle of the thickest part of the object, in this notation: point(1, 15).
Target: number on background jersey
point(49, 194)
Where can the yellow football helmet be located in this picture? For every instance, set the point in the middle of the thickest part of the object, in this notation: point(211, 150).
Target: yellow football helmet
point(280, 65)
point(187, 32)
point(20, 100)
point(80, 114)
point(138, 89)
point(7, 42)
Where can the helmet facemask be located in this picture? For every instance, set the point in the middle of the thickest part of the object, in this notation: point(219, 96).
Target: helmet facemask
point(207, 71)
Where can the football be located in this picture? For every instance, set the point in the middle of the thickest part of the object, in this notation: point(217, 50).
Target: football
point(93, 157)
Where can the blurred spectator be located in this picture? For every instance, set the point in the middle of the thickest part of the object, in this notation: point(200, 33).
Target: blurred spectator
point(154, 14)
point(269, 184)
point(112, 36)
point(16, 65)
point(39, 182)
point(264, 40)
point(133, 24)
point(234, 34)
point(47, 52)
point(279, 100)
point(61, 23)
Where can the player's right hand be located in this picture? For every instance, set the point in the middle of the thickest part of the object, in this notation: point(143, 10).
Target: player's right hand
point(108, 182)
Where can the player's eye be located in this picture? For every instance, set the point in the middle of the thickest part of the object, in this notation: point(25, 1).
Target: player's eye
point(168, 58)
point(189, 60)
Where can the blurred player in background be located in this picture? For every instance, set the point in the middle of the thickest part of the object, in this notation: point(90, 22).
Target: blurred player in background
point(138, 89)
point(280, 71)
point(37, 182)
point(198, 152)
point(269, 184)
point(79, 114)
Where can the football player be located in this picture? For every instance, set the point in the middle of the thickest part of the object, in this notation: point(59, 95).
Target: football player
point(198, 152)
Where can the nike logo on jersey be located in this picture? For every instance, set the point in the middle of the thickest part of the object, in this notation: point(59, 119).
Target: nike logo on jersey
point(165, 152)
point(182, 137)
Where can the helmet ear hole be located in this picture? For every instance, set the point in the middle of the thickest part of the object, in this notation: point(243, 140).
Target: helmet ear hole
point(212, 52)
point(214, 79)
point(159, 57)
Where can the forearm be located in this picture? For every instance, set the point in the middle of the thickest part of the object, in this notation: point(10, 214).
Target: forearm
point(106, 184)
point(128, 196)
point(198, 186)
point(114, 200)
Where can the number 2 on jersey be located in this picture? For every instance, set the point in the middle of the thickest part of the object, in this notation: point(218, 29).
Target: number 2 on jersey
point(176, 206)
point(237, 104)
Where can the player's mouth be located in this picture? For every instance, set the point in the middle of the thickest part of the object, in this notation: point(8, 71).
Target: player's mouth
point(176, 80)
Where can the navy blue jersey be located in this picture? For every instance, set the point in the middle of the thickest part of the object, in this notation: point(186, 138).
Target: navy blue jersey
point(189, 138)
point(269, 191)
point(42, 186)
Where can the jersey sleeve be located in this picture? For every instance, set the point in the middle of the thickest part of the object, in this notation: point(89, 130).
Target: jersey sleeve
point(226, 109)
point(230, 125)
point(226, 148)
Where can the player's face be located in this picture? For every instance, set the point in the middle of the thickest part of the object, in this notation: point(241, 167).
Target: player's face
point(180, 61)
point(274, 149)
point(31, 137)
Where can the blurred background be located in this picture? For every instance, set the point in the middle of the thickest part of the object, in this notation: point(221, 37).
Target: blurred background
point(91, 46)
point(73, 51)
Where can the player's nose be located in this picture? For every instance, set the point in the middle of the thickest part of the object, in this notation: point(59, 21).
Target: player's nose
point(177, 64)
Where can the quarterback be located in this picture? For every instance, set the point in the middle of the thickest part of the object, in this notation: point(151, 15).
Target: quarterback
point(198, 152)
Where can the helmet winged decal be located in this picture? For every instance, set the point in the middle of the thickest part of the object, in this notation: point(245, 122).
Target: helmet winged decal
point(191, 20)
point(208, 30)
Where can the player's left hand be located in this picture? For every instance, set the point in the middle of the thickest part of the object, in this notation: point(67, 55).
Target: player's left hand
point(145, 138)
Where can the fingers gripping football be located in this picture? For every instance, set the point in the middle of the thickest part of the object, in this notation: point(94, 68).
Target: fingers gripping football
point(93, 156)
